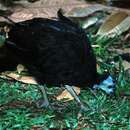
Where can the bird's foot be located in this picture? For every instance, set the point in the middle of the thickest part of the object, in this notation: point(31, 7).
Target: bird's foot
point(41, 103)
point(83, 108)
point(58, 107)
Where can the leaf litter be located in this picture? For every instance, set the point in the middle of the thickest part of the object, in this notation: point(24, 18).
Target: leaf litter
point(114, 47)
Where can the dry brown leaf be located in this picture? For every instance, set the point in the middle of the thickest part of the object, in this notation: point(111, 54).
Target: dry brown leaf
point(48, 8)
point(24, 79)
point(115, 24)
point(66, 95)
point(44, 8)
point(4, 76)
point(86, 11)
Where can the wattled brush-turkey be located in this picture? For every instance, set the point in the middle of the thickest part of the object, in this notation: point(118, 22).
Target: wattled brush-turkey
point(55, 52)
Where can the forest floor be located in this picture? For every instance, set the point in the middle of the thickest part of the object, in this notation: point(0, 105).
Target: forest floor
point(18, 110)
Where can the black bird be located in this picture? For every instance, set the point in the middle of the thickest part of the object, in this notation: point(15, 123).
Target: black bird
point(55, 52)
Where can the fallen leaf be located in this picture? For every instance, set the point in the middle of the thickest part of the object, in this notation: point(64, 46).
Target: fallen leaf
point(89, 22)
point(66, 95)
point(44, 8)
point(115, 24)
point(86, 11)
point(24, 79)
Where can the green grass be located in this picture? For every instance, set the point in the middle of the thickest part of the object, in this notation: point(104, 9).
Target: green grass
point(18, 110)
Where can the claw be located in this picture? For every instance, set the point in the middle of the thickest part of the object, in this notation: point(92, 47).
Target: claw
point(42, 103)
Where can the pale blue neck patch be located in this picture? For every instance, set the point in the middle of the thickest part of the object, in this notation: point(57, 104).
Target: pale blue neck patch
point(106, 85)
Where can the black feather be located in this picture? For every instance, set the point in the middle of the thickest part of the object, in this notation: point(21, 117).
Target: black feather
point(54, 51)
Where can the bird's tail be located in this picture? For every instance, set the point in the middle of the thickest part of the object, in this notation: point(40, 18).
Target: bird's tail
point(65, 19)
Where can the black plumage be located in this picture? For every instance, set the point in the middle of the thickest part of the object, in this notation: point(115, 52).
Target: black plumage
point(55, 52)
point(7, 61)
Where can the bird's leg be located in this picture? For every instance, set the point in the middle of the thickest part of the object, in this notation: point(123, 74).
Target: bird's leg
point(44, 102)
point(73, 93)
